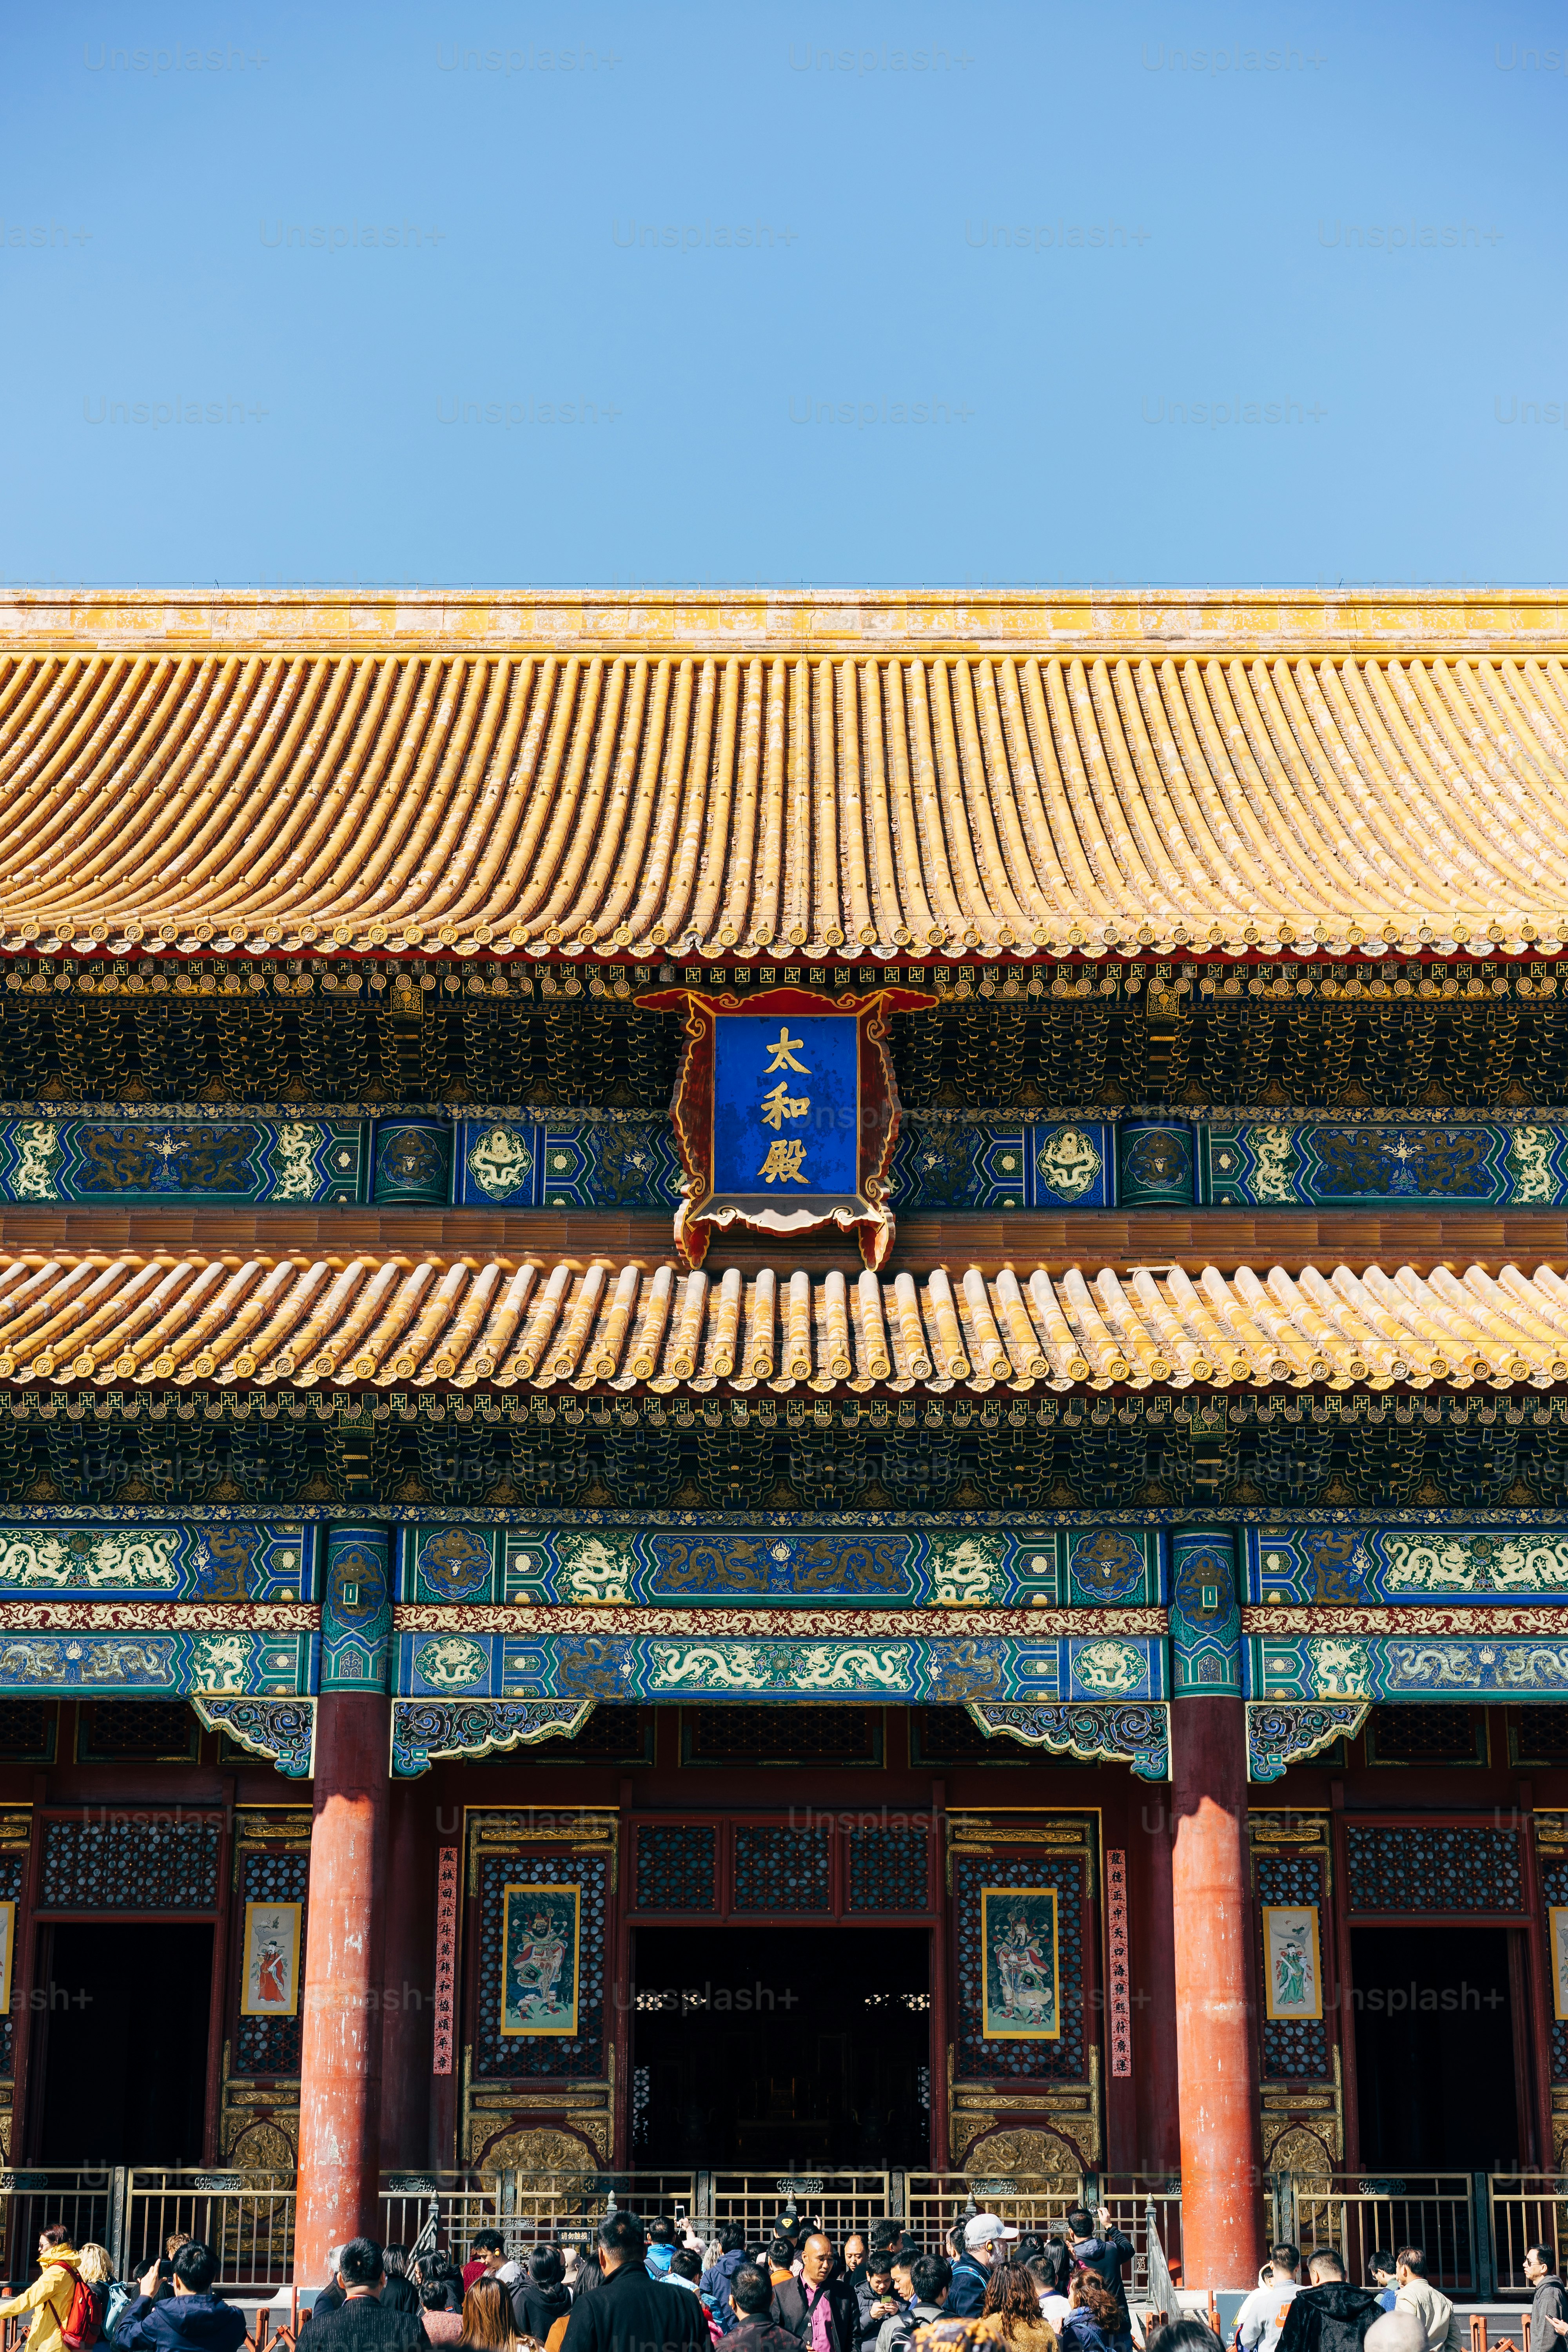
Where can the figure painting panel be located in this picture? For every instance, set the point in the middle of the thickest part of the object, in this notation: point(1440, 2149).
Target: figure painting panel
point(539, 1960)
point(270, 1981)
point(1292, 1970)
point(1018, 1933)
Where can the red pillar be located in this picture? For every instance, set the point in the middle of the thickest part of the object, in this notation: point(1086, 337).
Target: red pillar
point(1216, 2067)
point(409, 1981)
point(340, 2062)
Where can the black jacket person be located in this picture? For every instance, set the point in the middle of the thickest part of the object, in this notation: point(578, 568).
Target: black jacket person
point(1329, 2315)
point(821, 2304)
point(632, 2312)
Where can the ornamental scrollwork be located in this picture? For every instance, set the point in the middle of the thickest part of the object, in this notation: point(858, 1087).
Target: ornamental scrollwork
point(1283, 1732)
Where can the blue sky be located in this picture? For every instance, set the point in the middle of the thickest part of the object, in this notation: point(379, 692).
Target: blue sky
point(925, 293)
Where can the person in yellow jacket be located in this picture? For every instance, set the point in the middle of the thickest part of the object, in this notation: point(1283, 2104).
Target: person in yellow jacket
point(49, 2296)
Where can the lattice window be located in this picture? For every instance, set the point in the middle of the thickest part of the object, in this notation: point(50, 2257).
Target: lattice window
point(137, 1731)
point(1555, 1890)
point(782, 1735)
point(1539, 1735)
point(950, 1735)
point(271, 2045)
point(890, 1870)
point(1295, 2048)
point(782, 1870)
point(677, 1869)
point(157, 1865)
point(1426, 1735)
point(1066, 2059)
point(13, 1874)
point(612, 1734)
point(568, 2055)
point(1417, 1868)
point(27, 1730)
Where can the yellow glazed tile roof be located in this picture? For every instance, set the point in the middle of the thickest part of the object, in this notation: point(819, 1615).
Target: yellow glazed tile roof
point(717, 803)
point(378, 1321)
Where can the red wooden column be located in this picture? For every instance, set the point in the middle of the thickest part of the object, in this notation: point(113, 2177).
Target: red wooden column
point(1216, 2062)
point(340, 2053)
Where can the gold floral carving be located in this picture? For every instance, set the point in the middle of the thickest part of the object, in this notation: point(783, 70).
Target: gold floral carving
point(540, 2153)
point(1299, 2150)
point(1031, 2154)
point(261, 2143)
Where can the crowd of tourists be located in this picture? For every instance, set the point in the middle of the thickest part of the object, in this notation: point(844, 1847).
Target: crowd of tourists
point(657, 2287)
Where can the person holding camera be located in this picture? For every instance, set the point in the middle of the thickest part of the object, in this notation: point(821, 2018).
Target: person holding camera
point(194, 2319)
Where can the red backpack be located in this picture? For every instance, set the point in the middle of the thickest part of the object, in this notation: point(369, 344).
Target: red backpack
point(83, 2324)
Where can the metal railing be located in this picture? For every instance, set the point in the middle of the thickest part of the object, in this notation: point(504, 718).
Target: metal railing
point(1474, 2227)
point(80, 2197)
point(1446, 2212)
point(246, 2217)
point(1526, 2208)
point(758, 2201)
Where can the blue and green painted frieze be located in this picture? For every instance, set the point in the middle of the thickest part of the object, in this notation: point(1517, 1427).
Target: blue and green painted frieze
point(858, 1559)
point(285, 1162)
point(158, 1607)
point(1413, 1560)
point(666, 1656)
point(944, 1160)
point(1290, 1164)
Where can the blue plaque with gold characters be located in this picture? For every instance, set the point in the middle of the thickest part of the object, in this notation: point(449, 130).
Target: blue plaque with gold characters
point(785, 1112)
point(786, 1106)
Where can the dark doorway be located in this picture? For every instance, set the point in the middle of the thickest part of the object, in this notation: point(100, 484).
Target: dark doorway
point(1434, 2048)
point(125, 2056)
point(768, 2048)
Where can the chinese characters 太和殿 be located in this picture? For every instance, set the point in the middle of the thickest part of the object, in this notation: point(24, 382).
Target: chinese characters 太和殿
point(785, 1160)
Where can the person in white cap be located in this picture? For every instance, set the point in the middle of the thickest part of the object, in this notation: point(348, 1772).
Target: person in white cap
point(984, 2238)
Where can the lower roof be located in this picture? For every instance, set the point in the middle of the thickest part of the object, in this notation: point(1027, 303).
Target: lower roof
point(386, 1319)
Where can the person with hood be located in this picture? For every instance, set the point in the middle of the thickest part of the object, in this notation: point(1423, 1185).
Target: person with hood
point(985, 2239)
point(750, 2308)
point(660, 2247)
point(194, 2319)
point(1262, 2316)
point(1329, 2316)
point(1549, 2308)
point(1095, 2245)
point(1434, 2311)
point(717, 2284)
point(49, 2296)
point(540, 2297)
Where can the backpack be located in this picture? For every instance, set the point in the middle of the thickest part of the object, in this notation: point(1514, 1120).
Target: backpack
point(83, 2324)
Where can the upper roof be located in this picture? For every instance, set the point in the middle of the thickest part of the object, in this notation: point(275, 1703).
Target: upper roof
point(1148, 773)
point(387, 1320)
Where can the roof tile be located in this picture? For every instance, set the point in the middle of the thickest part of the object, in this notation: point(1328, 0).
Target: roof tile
point(708, 803)
point(382, 1321)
